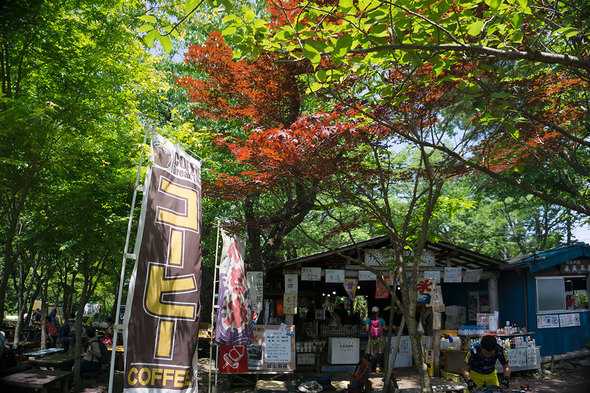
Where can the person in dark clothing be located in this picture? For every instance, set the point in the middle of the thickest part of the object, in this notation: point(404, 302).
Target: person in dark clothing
point(91, 362)
point(480, 365)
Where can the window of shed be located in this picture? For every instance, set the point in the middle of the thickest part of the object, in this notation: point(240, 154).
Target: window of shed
point(556, 294)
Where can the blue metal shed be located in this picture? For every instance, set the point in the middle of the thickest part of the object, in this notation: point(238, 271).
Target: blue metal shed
point(548, 293)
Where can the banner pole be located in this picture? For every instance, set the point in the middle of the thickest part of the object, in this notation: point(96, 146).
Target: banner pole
point(126, 256)
point(213, 305)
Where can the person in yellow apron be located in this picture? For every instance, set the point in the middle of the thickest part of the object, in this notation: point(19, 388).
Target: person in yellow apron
point(480, 365)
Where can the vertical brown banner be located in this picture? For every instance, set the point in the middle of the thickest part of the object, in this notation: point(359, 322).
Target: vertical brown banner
point(162, 310)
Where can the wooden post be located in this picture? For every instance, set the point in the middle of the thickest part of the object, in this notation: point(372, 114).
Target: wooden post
point(493, 294)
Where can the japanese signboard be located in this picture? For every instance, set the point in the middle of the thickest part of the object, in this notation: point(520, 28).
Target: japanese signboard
point(256, 285)
point(335, 275)
point(311, 274)
point(291, 283)
point(164, 289)
point(272, 348)
point(365, 275)
point(290, 303)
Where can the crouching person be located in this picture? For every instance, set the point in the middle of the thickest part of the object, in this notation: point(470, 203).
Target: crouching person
point(480, 365)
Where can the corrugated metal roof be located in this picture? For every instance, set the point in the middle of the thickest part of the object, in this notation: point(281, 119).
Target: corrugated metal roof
point(545, 259)
point(446, 254)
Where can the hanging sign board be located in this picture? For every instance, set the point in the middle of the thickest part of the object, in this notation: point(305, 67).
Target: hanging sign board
point(290, 303)
point(452, 274)
point(291, 283)
point(433, 275)
point(256, 285)
point(424, 287)
point(311, 274)
point(335, 276)
point(472, 275)
point(365, 275)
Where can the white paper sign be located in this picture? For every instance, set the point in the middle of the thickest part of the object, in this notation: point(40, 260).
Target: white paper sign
point(517, 357)
point(547, 321)
point(568, 320)
point(335, 275)
point(436, 295)
point(291, 283)
point(452, 274)
point(531, 356)
point(306, 359)
point(472, 275)
point(433, 275)
point(436, 321)
point(365, 275)
point(256, 284)
point(311, 274)
point(277, 346)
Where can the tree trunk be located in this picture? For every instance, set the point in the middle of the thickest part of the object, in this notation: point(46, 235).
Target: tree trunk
point(45, 311)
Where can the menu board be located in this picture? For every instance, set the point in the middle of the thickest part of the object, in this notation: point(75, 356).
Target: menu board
point(311, 274)
point(517, 357)
point(272, 348)
point(277, 346)
point(531, 356)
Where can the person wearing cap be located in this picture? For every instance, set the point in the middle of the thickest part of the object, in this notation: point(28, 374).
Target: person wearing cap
point(93, 318)
point(375, 326)
point(65, 337)
point(480, 365)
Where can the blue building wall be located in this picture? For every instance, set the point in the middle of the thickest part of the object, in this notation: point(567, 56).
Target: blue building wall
point(553, 341)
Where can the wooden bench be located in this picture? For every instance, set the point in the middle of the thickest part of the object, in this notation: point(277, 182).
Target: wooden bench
point(39, 380)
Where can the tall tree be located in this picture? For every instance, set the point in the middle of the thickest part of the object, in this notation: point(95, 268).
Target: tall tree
point(67, 89)
point(520, 86)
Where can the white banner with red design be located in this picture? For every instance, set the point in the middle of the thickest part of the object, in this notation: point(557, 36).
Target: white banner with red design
point(234, 317)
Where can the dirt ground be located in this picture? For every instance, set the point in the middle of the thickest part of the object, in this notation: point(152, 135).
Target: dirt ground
point(573, 379)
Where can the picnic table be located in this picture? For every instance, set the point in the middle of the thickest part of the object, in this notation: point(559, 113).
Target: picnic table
point(41, 380)
point(119, 352)
point(56, 361)
point(43, 352)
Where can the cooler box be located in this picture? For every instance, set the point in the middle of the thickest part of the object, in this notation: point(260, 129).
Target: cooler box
point(343, 350)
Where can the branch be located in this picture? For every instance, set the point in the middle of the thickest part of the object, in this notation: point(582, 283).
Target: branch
point(537, 56)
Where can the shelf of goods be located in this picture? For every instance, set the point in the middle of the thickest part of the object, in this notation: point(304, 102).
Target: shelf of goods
point(523, 354)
